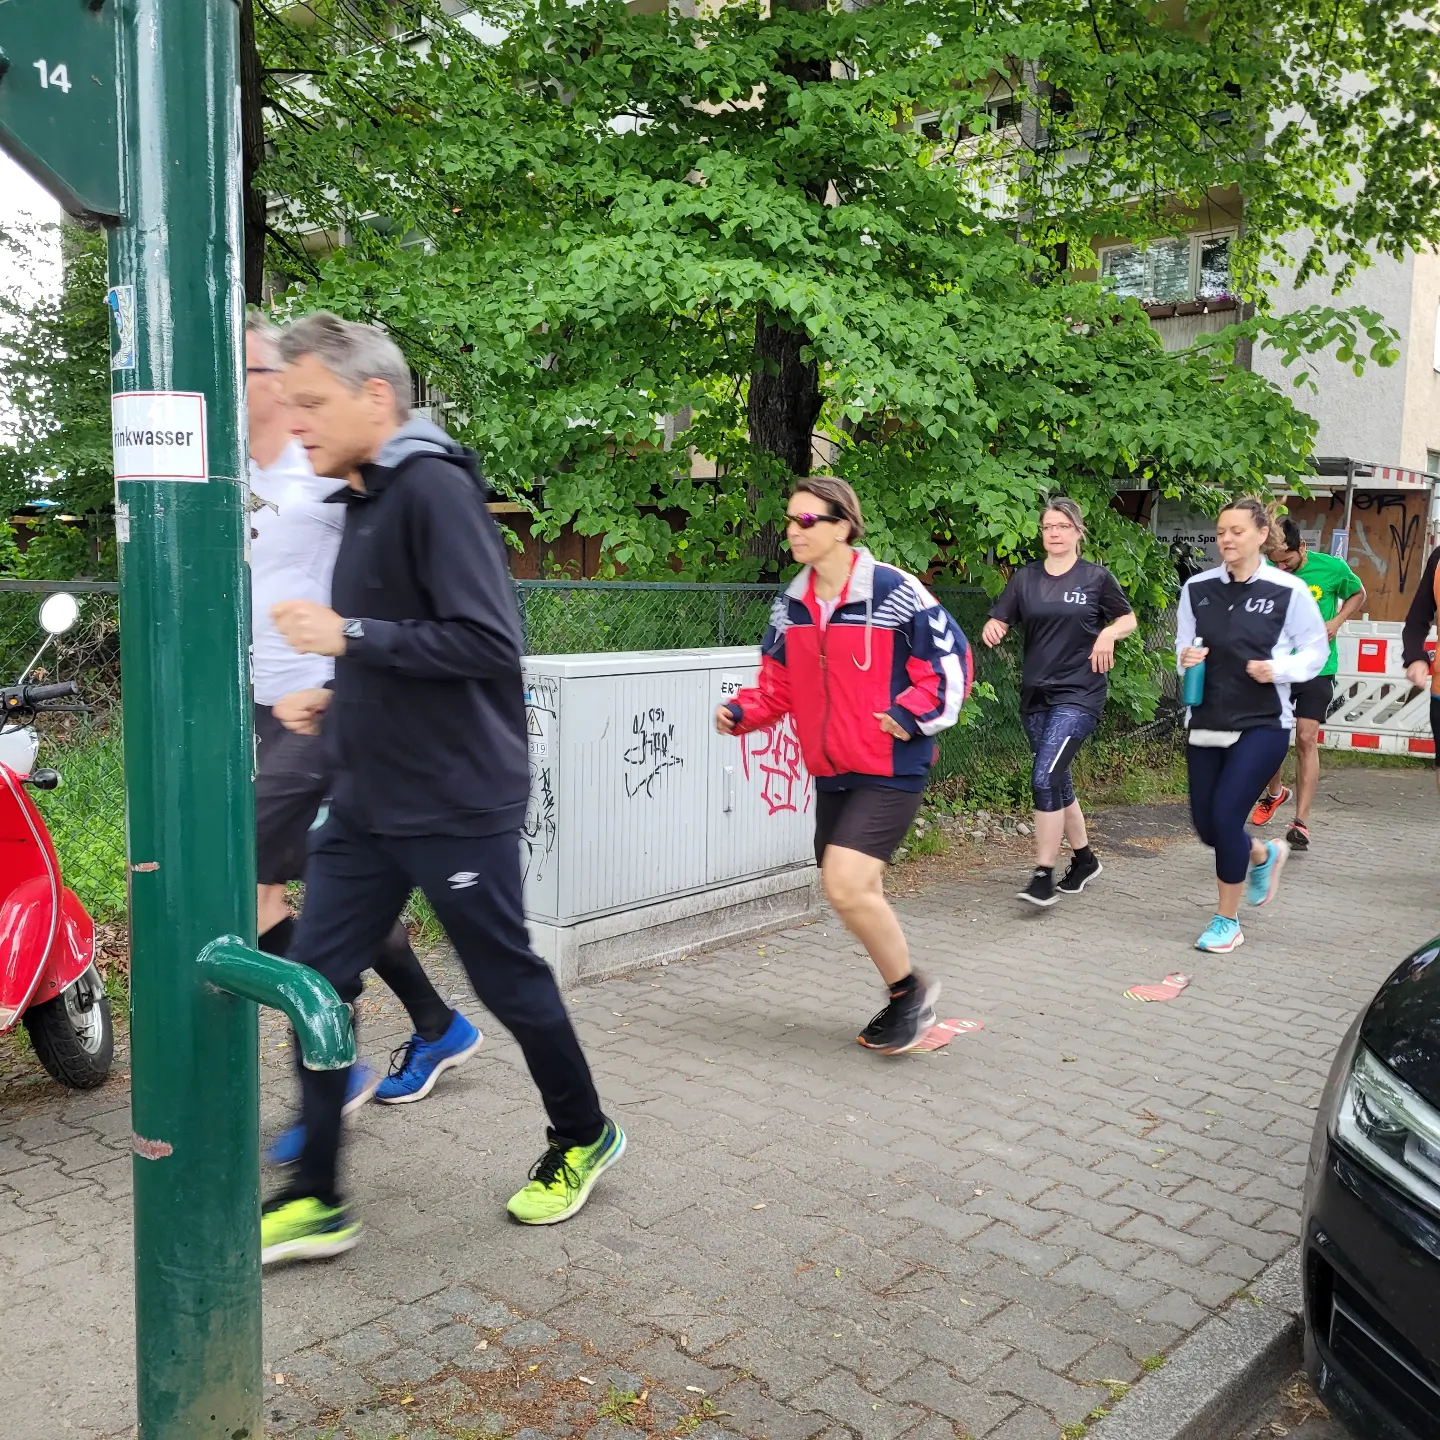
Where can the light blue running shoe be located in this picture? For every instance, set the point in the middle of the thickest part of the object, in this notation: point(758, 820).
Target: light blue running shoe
point(1222, 935)
point(418, 1064)
point(1263, 880)
point(285, 1148)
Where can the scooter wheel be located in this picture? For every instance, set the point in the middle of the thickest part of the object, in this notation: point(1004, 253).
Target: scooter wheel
point(73, 1035)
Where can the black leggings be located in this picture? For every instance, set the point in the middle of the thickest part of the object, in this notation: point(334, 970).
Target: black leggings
point(1223, 785)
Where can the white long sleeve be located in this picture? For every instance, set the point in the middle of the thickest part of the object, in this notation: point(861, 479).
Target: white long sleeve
point(1184, 626)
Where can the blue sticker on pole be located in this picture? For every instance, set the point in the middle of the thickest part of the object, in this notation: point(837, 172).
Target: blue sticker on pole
point(121, 302)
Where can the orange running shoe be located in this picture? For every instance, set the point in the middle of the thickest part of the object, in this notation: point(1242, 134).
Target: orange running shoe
point(1267, 805)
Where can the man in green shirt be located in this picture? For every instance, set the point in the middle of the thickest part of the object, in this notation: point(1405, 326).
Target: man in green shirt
point(1340, 595)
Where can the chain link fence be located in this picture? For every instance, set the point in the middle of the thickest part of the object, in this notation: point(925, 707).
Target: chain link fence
point(985, 762)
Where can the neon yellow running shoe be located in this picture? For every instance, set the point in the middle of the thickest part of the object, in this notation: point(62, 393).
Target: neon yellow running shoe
point(562, 1178)
point(305, 1229)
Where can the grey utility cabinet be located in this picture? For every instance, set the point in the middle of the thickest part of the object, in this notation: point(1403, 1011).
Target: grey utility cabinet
point(648, 834)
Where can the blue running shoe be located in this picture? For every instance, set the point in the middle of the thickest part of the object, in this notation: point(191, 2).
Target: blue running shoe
point(285, 1148)
point(418, 1064)
point(1263, 880)
point(1222, 935)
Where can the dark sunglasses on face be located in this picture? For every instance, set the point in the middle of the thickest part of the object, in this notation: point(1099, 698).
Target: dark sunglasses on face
point(808, 521)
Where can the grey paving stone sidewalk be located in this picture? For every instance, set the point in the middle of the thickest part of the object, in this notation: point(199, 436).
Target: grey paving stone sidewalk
point(804, 1239)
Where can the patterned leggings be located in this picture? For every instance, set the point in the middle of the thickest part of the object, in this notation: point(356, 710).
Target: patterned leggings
point(1055, 736)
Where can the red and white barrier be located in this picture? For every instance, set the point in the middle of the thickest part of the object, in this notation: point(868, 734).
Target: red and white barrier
point(1375, 707)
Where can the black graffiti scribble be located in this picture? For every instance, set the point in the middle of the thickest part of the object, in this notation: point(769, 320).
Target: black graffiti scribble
point(538, 831)
point(1376, 500)
point(652, 754)
point(1403, 539)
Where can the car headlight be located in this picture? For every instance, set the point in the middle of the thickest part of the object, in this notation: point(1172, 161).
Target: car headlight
point(1387, 1126)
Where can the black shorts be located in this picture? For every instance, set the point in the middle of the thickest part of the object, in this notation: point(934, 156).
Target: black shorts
point(290, 786)
point(1435, 726)
point(872, 819)
point(1311, 698)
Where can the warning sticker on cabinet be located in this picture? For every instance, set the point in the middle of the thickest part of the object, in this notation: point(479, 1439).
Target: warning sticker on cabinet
point(158, 435)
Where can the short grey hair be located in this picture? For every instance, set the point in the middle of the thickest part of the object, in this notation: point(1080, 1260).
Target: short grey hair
point(262, 327)
point(352, 353)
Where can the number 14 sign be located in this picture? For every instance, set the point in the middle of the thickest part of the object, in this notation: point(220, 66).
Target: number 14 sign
point(58, 99)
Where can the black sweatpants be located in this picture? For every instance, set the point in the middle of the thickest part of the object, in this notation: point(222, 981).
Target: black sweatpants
point(355, 886)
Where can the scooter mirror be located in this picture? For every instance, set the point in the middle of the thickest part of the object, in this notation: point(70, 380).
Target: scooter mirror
point(59, 612)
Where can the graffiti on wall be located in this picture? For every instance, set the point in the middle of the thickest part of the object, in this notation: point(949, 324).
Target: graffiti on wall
point(774, 756)
point(1387, 541)
point(537, 835)
point(651, 752)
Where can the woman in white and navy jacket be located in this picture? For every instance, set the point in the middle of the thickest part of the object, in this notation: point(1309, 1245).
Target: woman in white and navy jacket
point(1259, 631)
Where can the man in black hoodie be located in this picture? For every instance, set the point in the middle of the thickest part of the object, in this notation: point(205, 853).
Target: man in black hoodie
point(425, 721)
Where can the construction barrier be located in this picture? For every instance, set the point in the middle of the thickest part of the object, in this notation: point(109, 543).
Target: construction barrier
point(1375, 707)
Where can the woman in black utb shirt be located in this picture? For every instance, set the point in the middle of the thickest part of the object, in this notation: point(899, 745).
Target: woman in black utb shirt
point(1073, 612)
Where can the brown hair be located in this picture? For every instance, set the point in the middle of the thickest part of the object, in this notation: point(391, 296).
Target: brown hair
point(1069, 509)
point(1255, 508)
point(844, 503)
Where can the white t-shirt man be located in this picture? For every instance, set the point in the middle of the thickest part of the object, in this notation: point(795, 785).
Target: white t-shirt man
point(294, 538)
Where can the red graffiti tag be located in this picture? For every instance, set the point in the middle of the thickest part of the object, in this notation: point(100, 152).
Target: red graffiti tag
point(776, 753)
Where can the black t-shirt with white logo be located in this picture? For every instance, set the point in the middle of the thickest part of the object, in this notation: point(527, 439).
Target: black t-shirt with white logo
point(1062, 616)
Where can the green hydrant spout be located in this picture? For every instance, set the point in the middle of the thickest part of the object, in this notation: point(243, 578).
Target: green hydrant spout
point(320, 1017)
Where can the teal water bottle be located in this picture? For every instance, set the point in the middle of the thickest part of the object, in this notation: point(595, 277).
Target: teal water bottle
point(1192, 692)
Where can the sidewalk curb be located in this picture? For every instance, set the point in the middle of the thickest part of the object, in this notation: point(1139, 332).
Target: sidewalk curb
point(1224, 1372)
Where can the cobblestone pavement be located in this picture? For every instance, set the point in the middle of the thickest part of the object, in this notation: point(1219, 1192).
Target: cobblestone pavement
point(804, 1239)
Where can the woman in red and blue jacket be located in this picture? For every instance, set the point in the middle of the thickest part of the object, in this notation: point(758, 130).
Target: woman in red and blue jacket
point(872, 668)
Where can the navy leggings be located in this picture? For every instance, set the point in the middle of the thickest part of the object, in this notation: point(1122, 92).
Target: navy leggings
point(1055, 735)
point(1223, 787)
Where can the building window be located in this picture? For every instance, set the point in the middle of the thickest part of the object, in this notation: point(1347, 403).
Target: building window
point(1187, 267)
point(1004, 113)
point(1432, 459)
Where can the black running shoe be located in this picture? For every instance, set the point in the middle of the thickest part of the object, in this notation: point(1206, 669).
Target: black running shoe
point(1298, 835)
point(1040, 890)
point(902, 1024)
point(1079, 875)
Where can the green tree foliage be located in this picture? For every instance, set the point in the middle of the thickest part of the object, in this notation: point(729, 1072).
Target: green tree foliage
point(55, 379)
point(603, 219)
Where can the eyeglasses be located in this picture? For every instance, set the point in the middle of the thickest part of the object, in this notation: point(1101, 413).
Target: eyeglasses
point(808, 521)
point(1057, 529)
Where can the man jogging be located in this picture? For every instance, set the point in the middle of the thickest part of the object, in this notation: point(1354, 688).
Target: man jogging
point(426, 720)
point(294, 537)
point(1339, 593)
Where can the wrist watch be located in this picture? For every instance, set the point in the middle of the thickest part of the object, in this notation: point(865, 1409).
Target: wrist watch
point(353, 630)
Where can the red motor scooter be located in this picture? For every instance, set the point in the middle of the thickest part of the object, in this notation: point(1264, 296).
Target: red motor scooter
point(47, 941)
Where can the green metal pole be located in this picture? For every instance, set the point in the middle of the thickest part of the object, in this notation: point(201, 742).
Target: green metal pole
point(184, 599)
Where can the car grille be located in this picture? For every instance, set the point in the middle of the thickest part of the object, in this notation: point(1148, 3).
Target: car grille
point(1370, 1349)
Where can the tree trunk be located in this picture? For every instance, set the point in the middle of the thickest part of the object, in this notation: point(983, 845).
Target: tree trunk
point(784, 390)
point(252, 153)
point(784, 394)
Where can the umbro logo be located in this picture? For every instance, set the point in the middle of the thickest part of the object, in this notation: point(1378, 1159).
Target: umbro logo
point(462, 879)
